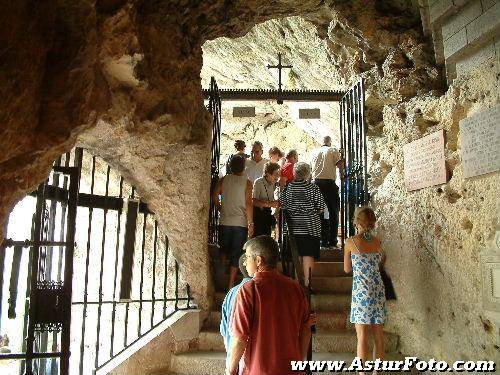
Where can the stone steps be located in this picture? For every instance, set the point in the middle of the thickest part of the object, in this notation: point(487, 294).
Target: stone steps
point(326, 320)
point(328, 268)
point(319, 301)
point(332, 284)
point(331, 341)
point(213, 363)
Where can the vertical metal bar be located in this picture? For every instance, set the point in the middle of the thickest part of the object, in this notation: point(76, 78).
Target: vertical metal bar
point(126, 324)
point(87, 260)
point(14, 281)
point(342, 178)
point(63, 218)
point(39, 217)
point(155, 239)
point(28, 293)
point(355, 143)
point(68, 269)
point(359, 146)
point(115, 277)
point(165, 279)
point(349, 146)
point(365, 140)
point(188, 292)
point(176, 285)
point(141, 284)
point(129, 249)
point(101, 271)
point(3, 250)
point(44, 336)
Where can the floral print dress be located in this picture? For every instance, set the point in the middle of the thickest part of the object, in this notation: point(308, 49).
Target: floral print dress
point(368, 293)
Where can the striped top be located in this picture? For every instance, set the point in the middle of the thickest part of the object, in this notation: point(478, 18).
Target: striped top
point(303, 201)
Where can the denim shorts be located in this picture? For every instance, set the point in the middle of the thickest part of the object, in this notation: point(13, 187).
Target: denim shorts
point(231, 241)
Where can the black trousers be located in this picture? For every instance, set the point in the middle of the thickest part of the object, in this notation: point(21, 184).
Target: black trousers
point(329, 227)
point(263, 221)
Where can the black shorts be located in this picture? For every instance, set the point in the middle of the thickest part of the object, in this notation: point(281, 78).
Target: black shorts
point(308, 245)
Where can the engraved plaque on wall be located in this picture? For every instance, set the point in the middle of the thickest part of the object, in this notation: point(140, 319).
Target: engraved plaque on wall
point(309, 113)
point(490, 270)
point(243, 111)
point(424, 163)
point(480, 142)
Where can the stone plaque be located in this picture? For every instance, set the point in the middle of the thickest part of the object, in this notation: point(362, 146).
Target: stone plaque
point(424, 162)
point(490, 269)
point(309, 113)
point(243, 111)
point(480, 142)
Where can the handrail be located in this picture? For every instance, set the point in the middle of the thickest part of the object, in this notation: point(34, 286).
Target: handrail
point(299, 272)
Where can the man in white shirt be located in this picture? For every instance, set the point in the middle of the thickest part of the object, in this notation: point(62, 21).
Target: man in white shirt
point(255, 166)
point(324, 163)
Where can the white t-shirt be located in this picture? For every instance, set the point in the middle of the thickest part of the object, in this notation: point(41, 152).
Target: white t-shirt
point(263, 190)
point(254, 170)
point(323, 163)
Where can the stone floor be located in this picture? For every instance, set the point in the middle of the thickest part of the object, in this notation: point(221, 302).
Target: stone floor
point(335, 338)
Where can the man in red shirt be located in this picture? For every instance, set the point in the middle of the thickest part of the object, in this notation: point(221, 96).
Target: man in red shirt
point(271, 322)
point(292, 157)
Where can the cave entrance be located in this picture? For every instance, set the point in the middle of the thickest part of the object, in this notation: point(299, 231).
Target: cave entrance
point(353, 145)
point(85, 269)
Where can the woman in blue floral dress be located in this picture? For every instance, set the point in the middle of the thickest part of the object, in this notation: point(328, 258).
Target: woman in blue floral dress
point(363, 257)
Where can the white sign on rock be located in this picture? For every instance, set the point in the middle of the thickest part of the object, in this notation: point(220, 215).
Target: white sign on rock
point(480, 142)
point(424, 162)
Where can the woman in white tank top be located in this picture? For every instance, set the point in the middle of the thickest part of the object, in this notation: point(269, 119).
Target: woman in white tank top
point(236, 213)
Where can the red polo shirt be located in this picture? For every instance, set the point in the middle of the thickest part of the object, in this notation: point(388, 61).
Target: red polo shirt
point(269, 313)
point(287, 171)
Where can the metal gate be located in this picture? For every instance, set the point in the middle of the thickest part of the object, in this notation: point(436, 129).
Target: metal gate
point(46, 262)
point(125, 282)
point(353, 192)
point(214, 107)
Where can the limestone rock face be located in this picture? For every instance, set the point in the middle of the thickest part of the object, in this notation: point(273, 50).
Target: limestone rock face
point(134, 68)
point(434, 236)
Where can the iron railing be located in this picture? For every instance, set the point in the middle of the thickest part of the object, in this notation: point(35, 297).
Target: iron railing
point(289, 254)
point(125, 281)
point(214, 107)
point(354, 177)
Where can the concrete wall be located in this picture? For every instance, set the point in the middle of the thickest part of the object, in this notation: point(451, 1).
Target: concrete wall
point(465, 33)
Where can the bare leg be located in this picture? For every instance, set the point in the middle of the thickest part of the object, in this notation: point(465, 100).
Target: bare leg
point(378, 334)
point(232, 276)
point(362, 347)
point(308, 264)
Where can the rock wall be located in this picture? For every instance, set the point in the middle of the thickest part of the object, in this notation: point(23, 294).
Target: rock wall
point(132, 67)
point(434, 236)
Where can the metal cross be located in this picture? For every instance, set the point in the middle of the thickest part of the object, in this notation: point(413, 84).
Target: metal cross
point(279, 67)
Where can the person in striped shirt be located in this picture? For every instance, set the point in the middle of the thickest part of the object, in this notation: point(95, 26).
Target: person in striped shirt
point(304, 202)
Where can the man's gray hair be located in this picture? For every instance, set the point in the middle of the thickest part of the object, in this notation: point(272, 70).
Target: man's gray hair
point(265, 247)
point(301, 171)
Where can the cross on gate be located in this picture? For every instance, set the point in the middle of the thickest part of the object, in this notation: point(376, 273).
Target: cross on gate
point(280, 68)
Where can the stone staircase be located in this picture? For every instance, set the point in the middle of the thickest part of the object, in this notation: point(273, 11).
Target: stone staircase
point(335, 337)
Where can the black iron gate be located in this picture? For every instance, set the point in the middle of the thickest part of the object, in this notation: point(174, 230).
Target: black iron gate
point(214, 107)
point(46, 261)
point(353, 192)
point(125, 282)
